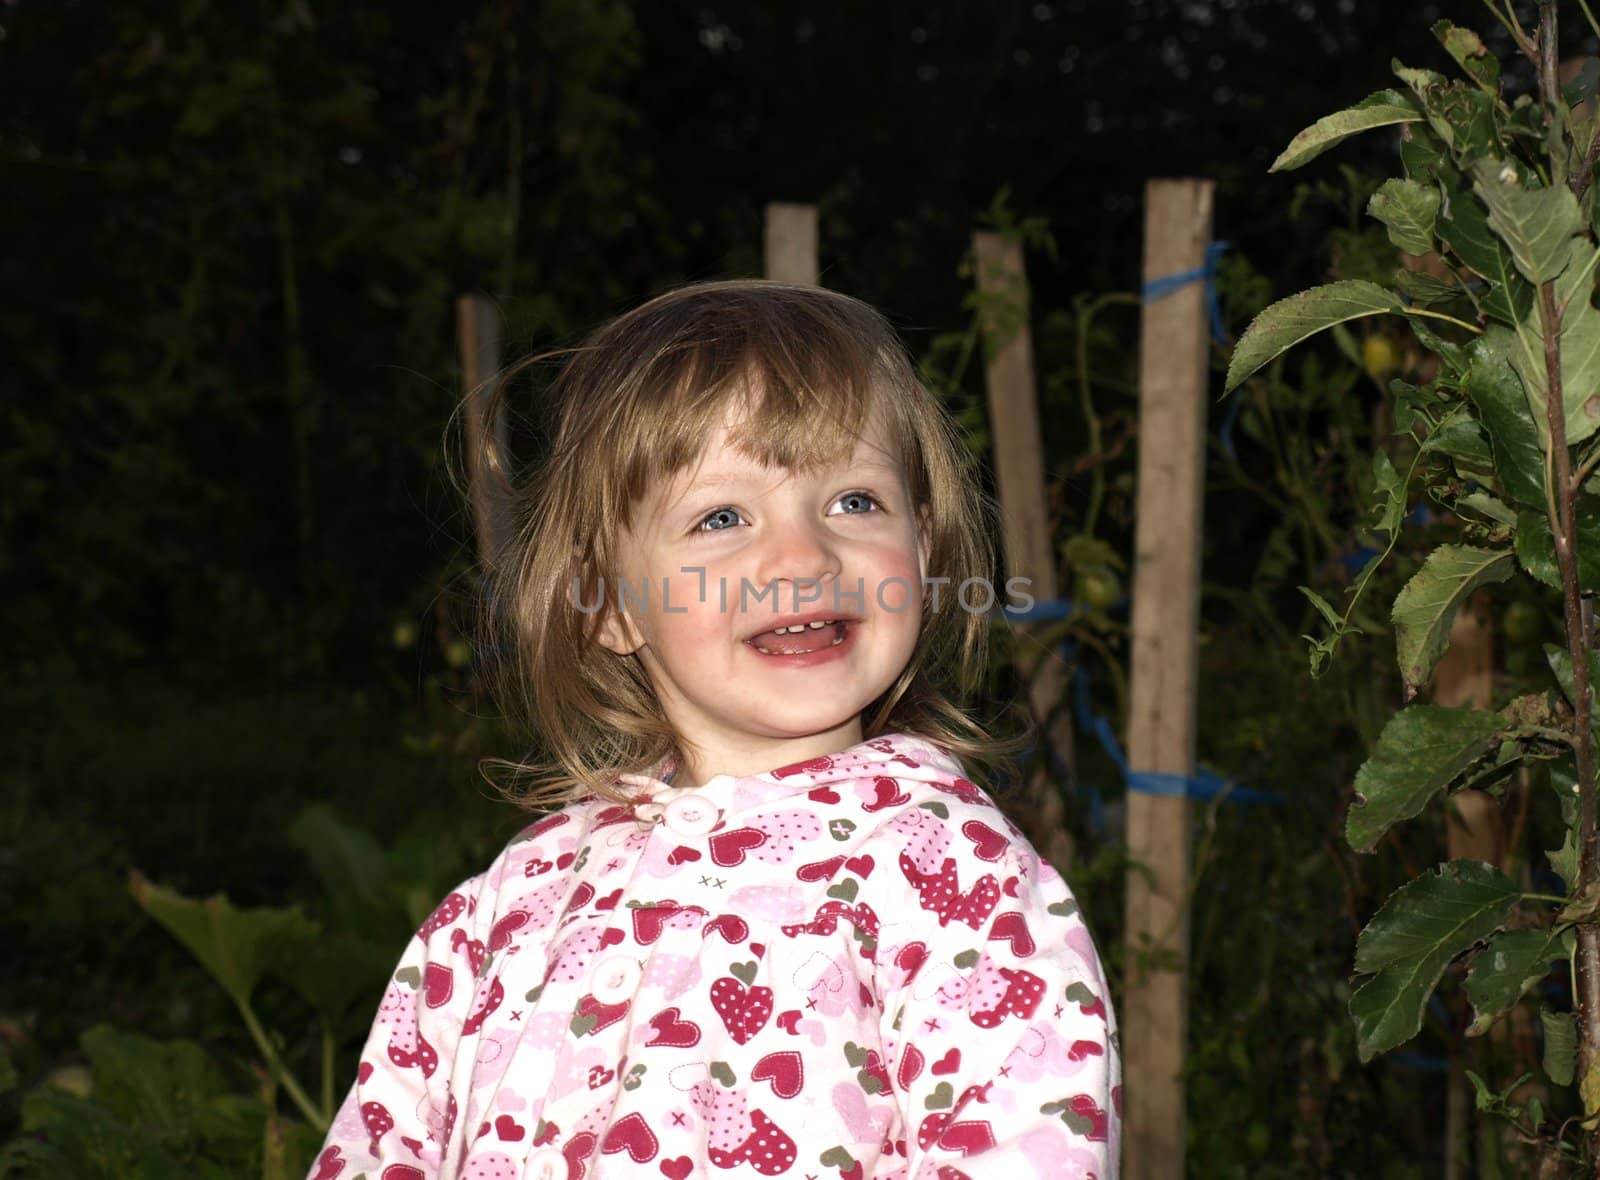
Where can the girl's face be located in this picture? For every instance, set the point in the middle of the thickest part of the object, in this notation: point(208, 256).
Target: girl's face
point(722, 555)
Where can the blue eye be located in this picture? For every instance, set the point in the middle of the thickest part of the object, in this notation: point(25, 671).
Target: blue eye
point(855, 503)
point(720, 519)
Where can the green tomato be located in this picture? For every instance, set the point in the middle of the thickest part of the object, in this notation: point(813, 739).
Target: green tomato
point(1099, 587)
point(1521, 623)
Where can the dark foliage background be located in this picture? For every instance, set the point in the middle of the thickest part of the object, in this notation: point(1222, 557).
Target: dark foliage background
point(237, 578)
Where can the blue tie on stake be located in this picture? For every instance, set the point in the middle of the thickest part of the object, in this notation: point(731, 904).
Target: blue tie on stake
point(1160, 288)
point(1202, 786)
point(1166, 285)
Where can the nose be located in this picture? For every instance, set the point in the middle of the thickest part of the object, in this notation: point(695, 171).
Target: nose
point(800, 552)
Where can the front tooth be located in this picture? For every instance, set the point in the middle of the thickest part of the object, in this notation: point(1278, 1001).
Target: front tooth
point(816, 625)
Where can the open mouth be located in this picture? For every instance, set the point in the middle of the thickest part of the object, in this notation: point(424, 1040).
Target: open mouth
point(800, 638)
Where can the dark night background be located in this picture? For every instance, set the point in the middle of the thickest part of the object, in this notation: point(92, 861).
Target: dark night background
point(238, 581)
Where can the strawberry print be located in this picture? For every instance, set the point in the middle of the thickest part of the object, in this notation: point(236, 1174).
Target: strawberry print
point(407, 1049)
point(744, 1010)
point(940, 893)
point(863, 971)
point(379, 1122)
point(329, 1166)
point(444, 916)
point(739, 1135)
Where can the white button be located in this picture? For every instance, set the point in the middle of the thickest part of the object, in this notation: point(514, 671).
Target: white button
point(616, 979)
point(547, 1164)
point(689, 816)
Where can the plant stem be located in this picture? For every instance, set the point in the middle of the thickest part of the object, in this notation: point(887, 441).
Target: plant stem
point(327, 1069)
point(1087, 310)
point(1439, 315)
point(290, 1083)
point(1563, 528)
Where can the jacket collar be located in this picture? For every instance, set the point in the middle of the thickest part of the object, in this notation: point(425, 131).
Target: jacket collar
point(894, 755)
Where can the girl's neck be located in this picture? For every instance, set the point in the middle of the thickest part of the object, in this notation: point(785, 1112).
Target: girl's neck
point(756, 754)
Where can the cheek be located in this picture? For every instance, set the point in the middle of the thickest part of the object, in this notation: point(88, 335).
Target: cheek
point(898, 585)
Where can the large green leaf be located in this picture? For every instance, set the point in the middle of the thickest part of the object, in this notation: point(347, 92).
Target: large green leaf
point(236, 946)
point(1409, 210)
point(1464, 226)
point(1427, 605)
point(1420, 752)
point(1411, 940)
point(1382, 109)
point(1496, 391)
point(1511, 963)
point(1537, 224)
point(1580, 350)
point(1289, 321)
point(1536, 547)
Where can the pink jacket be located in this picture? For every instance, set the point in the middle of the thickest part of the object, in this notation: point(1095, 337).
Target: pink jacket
point(852, 967)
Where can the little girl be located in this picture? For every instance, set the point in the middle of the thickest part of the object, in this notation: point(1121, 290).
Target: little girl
point(770, 926)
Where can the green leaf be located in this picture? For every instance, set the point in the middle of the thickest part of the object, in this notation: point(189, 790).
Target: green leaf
point(1463, 438)
point(1427, 85)
point(1464, 226)
point(1289, 321)
point(1426, 157)
point(1560, 1046)
point(1511, 963)
point(1427, 605)
point(1564, 860)
point(1383, 109)
point(1424, 289)
point(352, 870)
point(1560, 661)
point(1471, 54)
point(1536, 546)
point(1421, 750)
point(1496, 390)
point(235, 946)
point(1580, 351)
point(1488, 508)
point(1409, 210)
point(1411, 940)
point(1538, 224)
point(1389, 494)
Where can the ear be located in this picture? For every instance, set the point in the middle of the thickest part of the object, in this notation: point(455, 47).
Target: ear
point(618, 634)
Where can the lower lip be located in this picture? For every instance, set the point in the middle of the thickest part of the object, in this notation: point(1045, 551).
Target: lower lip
point(810, 659)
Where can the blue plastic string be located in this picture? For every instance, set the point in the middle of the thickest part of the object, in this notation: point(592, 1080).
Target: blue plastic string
point(1160, 288)
point(1202, 785)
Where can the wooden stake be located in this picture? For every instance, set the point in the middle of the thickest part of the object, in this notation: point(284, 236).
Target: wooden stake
point(478, 342)
point(1161, 724)
point(791, 245)
point(1029, 550)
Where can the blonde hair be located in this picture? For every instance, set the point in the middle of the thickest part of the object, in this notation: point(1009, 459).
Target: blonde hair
point(634, 404)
